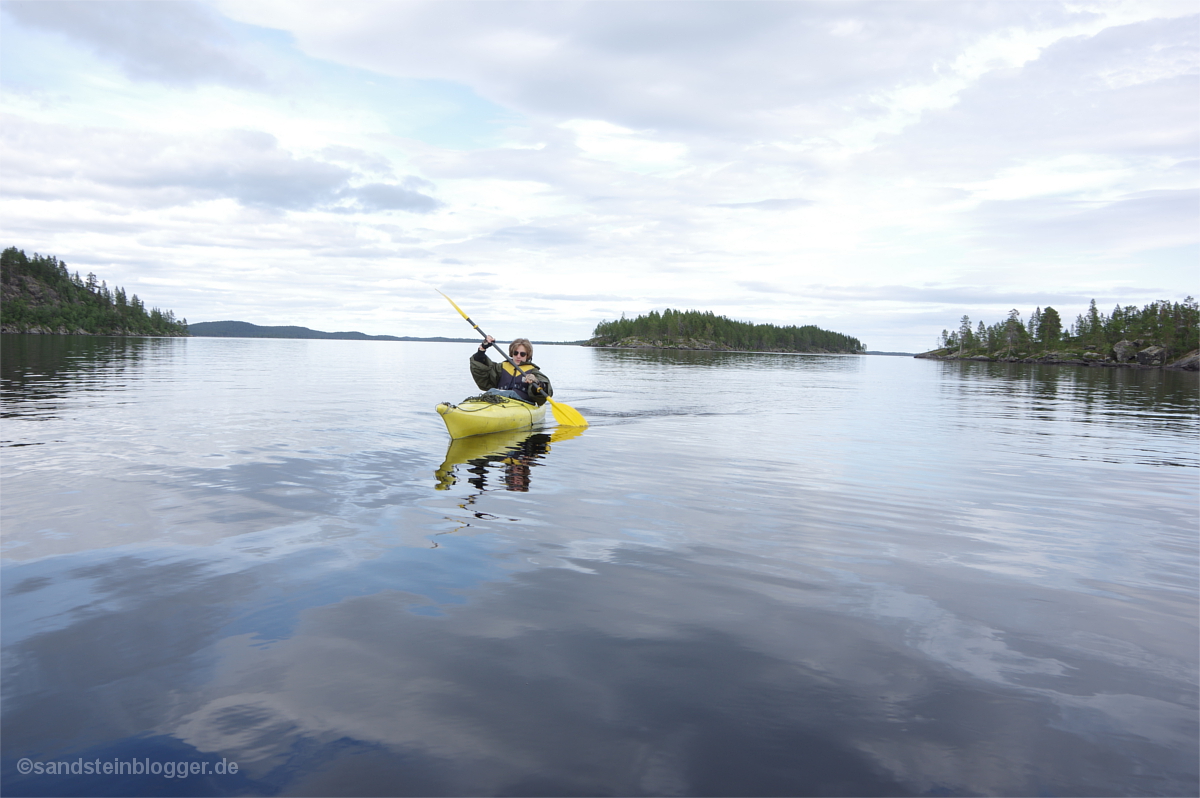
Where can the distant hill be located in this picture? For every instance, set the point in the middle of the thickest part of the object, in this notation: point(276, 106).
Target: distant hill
point(244, 329)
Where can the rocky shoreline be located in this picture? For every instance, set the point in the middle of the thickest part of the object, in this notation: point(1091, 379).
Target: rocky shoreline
point(1124, 354)
point(14, 329)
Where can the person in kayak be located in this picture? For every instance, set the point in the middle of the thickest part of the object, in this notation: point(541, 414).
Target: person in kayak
point(499, 379)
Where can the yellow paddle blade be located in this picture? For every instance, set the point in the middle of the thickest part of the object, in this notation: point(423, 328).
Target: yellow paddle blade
point(566, 415)
point(456, 307)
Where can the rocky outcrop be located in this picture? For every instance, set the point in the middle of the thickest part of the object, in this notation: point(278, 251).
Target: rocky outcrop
point(1125, 352)
point(1150, 357)
point(1061, 358)
point(1189, 362)
point(42, 329)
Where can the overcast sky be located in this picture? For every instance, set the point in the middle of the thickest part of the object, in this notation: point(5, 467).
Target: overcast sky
point(878, 169)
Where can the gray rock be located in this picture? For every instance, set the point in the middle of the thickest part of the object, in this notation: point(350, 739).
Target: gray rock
point(1056, 357)
point(1189, 362)
point(1125, 351)
point(1152, 356)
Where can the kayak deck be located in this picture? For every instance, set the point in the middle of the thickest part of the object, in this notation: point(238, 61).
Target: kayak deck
point(480, 415)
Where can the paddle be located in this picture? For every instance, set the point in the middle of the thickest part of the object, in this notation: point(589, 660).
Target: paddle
point(565, 415)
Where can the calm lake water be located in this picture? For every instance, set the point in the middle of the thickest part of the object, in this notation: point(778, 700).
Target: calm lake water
point(752, 575)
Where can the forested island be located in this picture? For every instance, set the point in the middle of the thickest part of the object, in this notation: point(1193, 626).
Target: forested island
point(1161, 334)
point(40, 295)
point(694, 329)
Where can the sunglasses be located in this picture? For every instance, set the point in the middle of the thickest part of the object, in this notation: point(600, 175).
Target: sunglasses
point(519, 353)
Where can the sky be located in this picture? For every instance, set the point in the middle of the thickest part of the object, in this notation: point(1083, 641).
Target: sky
point(878, 169)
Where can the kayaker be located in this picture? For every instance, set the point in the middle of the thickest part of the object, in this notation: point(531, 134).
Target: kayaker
point(499, 379)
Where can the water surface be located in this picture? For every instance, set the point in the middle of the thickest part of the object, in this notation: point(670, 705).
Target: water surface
point(752, 575)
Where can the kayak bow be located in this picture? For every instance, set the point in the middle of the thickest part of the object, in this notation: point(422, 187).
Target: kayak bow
point(477, 416)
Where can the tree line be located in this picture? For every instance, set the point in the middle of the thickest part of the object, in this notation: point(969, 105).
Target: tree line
point(42, 292)
point(1175, 326)
point(680, 327)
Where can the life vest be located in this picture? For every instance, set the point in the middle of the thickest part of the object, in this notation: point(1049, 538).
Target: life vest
point(508, 368)
point(510, 380)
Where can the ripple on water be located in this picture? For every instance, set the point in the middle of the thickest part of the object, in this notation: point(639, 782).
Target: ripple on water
point(753, 574)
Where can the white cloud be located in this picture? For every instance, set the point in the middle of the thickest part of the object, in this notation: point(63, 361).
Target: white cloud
point(625, 148)
point(153, 170)
point(1066, 174)
point(174, 43)
point(682, 154)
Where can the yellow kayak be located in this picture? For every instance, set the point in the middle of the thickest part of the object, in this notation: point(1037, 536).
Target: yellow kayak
point(479, 416)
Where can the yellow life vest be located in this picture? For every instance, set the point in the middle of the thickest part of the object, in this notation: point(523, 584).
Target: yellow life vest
point(509, 368)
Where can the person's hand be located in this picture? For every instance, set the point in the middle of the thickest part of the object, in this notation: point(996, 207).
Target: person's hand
point(488, 340)
point(529, 378)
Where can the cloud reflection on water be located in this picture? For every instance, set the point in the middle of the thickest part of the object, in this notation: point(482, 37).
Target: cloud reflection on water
point(838, 598)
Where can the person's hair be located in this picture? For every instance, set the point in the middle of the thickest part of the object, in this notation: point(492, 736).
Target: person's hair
point(522, 342)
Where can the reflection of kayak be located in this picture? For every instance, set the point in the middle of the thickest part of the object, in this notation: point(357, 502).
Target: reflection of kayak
point(475, 416)
point(477, 447)
point(496, 449)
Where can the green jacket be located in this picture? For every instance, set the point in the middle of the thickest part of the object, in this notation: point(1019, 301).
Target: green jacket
point(489, 373)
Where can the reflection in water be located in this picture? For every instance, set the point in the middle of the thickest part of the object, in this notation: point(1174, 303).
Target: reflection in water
point(35, 370)
point(740, 361)
point(37, 358)
point(1094, 393)
point(865, 576)
point(512, 454)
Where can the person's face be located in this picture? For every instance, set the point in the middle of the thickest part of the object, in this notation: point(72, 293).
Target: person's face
point(519, 355)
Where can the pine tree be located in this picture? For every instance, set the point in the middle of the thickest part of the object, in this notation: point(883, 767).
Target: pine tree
point(1095, 328)
point(1013, 328)
point(1049, 327)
